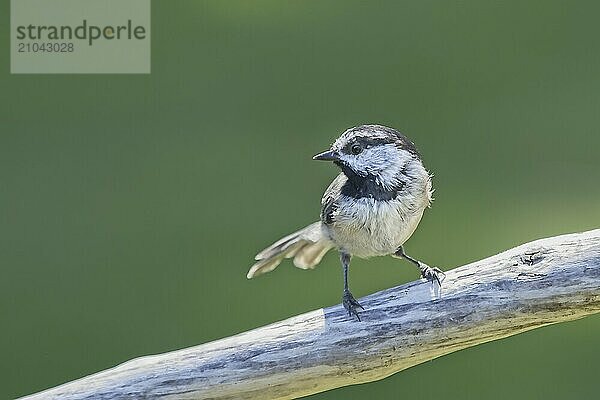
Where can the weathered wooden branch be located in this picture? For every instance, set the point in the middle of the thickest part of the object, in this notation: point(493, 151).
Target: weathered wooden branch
point(540, 283)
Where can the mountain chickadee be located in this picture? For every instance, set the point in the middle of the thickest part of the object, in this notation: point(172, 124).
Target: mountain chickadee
point(370, 209)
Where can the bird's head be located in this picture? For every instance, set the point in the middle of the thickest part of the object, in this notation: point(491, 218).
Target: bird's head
point(372, 152)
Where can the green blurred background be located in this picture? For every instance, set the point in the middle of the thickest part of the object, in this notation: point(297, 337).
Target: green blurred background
point(131, 206)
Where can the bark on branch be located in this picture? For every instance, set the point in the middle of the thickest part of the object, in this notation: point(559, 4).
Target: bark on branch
point(539, 283)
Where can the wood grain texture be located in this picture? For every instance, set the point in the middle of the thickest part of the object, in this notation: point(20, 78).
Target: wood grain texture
point(540, 283)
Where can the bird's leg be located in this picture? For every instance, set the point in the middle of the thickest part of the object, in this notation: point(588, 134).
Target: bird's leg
point(431, 274)
point(349, 302)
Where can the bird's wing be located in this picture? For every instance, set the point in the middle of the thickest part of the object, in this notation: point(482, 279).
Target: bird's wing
point(307, 246)
point(329, 201)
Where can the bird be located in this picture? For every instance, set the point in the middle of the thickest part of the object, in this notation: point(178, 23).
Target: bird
point(370, 209)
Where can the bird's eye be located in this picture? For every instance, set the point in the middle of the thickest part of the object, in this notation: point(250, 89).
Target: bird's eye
point(356, 149)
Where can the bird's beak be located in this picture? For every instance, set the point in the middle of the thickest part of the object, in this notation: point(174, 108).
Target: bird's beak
point(329, 155)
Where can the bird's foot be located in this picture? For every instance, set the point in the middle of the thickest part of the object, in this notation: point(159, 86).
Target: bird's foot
point(351, 304)
point(432, 274)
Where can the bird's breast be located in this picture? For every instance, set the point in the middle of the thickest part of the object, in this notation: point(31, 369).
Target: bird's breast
point(368, 227)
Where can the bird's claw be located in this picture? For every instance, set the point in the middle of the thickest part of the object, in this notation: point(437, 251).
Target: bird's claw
point(432, 274)
point(351, 304)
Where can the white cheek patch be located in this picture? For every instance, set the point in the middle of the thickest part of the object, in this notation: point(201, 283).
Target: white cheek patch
point(384, 162)
point(387, 163)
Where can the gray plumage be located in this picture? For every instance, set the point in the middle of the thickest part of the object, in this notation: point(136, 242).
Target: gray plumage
point(370, 209)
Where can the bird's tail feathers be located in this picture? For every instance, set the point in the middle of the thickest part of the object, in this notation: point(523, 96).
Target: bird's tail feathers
point(307, 247)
